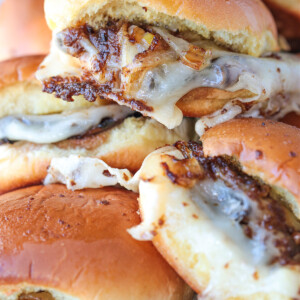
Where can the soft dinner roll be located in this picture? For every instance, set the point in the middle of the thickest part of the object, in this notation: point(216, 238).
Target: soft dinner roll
point(58, 244)
point(225, 213)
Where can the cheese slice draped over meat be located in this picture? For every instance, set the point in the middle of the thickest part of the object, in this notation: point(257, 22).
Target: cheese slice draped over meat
point(42, 129)
point(161, 81)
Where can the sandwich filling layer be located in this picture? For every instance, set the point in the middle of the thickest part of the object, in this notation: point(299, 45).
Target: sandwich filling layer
point(150, 69)
point(247, 210)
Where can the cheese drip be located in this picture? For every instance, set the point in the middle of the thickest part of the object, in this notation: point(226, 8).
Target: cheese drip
point(84, 172)
point(53, 128)
point(78, 173)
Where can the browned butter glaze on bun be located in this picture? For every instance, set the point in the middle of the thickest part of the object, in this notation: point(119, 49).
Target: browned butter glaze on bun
point(225, 212)
point(61, 244)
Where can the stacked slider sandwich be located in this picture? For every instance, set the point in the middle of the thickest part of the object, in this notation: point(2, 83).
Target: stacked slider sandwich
point(169, 60)
point(66, 245)
point(35, 127)
point(57, 244)
point(222, 211)
point(225, 212)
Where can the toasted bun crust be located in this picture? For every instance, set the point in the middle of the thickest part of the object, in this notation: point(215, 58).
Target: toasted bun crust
point(287, 16)
point(245, 26)
point(266, 149)
point(21, 93)
point(23, 29)
point(292, 119)
point(123, 146)
point(75, 244)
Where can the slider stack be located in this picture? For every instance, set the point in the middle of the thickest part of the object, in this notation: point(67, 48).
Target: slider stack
point(144, 156)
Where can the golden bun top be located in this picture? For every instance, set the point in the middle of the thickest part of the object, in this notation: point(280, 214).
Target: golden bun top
point(76, 244)
point(23, 29)
point(243, 25)
point(21, 93)
point(267, 149)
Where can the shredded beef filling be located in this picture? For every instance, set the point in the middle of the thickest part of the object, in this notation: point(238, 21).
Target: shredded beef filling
point(272, 214)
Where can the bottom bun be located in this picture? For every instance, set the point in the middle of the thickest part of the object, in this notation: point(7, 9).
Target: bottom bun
point(58, 244)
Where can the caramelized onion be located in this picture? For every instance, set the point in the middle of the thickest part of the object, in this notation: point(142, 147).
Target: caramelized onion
point(134, 73)
point(193, 56)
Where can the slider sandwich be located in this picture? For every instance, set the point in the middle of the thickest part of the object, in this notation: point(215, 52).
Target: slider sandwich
point(58, 244)
point(211, 60)
point(287, 16)
point(225, 213)
point(36, 127)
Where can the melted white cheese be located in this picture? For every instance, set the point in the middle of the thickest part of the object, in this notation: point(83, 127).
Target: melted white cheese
point(274, 82)
point(42, 129)
point(78, 172)
point(163, 86)
point(58, 63)
point(84, 172)
point(225, 207)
